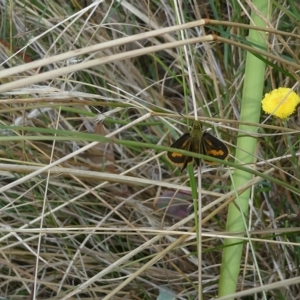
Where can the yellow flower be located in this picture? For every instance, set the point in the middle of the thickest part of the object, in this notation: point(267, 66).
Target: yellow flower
point(281, 102)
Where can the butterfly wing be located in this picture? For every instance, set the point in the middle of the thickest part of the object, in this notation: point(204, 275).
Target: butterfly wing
point(178, 159)
point(213, 147)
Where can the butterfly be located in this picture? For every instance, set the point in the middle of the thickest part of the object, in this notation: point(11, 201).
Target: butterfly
point(199, 142)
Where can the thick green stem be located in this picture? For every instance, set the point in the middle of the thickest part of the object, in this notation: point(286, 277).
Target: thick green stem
point(245, 154)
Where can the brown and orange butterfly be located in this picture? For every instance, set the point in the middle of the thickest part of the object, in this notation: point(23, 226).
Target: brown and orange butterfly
point(199, 142)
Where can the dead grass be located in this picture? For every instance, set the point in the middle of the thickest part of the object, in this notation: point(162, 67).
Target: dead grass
point(78, 215)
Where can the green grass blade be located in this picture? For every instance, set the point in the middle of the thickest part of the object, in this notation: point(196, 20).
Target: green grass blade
point(250, 112)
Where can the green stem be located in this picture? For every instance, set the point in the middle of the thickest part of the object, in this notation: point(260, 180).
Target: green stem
point(245, 154)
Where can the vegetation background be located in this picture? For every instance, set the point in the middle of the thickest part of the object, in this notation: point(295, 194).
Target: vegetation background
point(84, 216)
